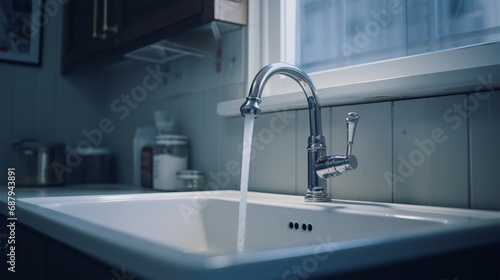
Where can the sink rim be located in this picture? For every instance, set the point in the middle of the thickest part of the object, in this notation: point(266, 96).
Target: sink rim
point(95, 237)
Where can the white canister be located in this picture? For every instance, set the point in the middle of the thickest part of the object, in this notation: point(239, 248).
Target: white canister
point(170, 156)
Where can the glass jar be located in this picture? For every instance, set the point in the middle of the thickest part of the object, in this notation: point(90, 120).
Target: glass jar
point(170, 156)
point(190, 180)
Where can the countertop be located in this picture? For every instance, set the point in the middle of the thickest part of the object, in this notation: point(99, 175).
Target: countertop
point(155, 253)
point(72, 190)
point(67, 190)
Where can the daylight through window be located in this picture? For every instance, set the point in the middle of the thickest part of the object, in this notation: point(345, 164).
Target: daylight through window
point(336, 33)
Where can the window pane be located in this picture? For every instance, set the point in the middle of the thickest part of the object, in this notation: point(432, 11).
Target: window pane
point(338, 33)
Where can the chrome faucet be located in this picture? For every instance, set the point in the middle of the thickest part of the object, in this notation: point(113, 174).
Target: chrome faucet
point(319, 166)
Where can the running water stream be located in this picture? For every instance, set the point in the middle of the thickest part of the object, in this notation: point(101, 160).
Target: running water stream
point(245, 166)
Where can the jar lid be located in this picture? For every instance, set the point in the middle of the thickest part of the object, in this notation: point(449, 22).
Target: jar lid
point(190, 174)
point(33, 144)
point(94, 151)
point(170, 139)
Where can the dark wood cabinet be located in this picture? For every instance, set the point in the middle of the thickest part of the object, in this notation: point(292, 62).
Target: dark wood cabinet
point(78, 41)
point(38, 256)
point(138, 19)
point(100, 31)
point(28, 257)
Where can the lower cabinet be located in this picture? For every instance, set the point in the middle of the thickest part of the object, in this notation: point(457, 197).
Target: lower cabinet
point(481, 262)
point(65, 263)
point(27, 260)
point(40, 257)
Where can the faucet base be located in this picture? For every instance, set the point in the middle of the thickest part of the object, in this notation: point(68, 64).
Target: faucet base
point(317, 197)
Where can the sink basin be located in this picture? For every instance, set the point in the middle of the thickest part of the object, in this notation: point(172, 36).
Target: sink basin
point(191, 235)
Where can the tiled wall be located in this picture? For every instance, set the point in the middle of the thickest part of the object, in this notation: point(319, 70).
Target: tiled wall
point(397, 161)
point(36, 102)
point(422, 151)
point(189, 91)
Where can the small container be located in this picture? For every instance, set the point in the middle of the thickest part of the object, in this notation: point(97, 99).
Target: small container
point(95, 166)
point(170, 156)
point(39, 163)
point(190, 180)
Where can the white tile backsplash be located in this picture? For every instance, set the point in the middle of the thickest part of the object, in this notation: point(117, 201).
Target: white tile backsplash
point(484, 152)
point(429, 155)
point(463, 171)
point(273, 159)
point(372, 147)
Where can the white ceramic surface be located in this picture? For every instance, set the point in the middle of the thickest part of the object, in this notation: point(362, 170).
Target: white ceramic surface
point(195, 233)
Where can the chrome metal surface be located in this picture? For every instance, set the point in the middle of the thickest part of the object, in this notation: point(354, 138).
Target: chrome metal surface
point(319, 166)
point(351, 122)
point(260, 80)
point(36, 162)
point(331, 166)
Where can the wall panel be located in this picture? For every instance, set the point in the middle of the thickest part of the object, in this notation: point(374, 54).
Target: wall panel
point(485, 150)
point(430, 152)
point(372, 148)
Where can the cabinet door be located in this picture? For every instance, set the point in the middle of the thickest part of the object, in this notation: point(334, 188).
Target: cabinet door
point(145, 22)
point(64, 262)
point(28, 253)
point(81, 19)
point(132, 25)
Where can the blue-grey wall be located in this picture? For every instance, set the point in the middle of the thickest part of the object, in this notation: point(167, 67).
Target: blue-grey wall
point(422, 151)
point(39, 103)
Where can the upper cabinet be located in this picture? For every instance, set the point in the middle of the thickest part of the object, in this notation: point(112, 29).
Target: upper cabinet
point(100, 31)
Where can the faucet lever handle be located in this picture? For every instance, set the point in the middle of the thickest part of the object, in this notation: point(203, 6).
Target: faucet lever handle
point(351, 121)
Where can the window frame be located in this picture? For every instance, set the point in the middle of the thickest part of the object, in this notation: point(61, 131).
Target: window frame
point(462, 70)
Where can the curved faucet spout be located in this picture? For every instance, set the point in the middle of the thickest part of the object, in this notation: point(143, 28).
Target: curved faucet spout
point(319, 166)
point(251, 105)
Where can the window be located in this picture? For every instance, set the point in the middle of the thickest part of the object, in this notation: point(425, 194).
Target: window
point(338, 33)
point(359, 51)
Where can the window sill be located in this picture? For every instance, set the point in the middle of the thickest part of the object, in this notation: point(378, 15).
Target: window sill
point(462, 70)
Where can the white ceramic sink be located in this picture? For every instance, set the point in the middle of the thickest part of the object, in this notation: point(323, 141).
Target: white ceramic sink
point(194, 234)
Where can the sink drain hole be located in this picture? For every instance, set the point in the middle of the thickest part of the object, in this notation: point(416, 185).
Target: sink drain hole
point(295, 225)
